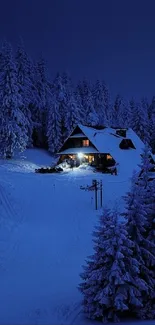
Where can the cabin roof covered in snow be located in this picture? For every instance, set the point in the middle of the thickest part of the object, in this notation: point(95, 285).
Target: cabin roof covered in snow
point(107, 141)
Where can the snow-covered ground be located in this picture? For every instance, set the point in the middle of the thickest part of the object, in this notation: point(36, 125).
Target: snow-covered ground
point(45, 235)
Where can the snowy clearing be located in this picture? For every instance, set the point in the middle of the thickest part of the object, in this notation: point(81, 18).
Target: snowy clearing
point(45, 234)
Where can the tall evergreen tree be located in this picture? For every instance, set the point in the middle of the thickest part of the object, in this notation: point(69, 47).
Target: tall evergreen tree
point(107, 104)
point(100, 104)
point(13, 122)
point(86, 93)
point(61, 99)
point(146, 124)
point(118, 112)
point(111, 283)
point(54, 126)
point(139, 120)
point(148, 188)
point(72, 116)
point(45, 96)
point(79, 95)
point(25, 87)
point(34, 103)
point(136, 214)
point(151, 115)
point(121, 114)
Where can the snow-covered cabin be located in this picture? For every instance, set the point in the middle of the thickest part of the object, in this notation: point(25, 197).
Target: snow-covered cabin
point(103, 146)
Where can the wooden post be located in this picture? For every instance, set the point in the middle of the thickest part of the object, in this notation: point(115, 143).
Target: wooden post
point(95, 194)
point(101, 194)
point(94, 183)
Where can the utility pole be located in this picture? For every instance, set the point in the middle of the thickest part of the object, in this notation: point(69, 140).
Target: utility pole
point(94, 183)
point(101, 193)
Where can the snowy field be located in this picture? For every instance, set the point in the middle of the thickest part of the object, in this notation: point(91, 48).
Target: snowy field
point(45, 235)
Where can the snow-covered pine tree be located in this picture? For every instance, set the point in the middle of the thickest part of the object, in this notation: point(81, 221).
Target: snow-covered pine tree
point(139, 120)
point(25, 87)
point(148, 187)
point(13, 123)
point(118, 112)
point(72, 117)
point(146, 124)
point(151, 115)
point(111, 284)
point(107, 104)
point(61, 98)
point(79, 99)
point(121, 114)
point(54, 126)
point(45, 96)
point(146, 165)
point(100, 105)
point(91, 117)
point(136, 215)
point(35, 104)
point(127, 114)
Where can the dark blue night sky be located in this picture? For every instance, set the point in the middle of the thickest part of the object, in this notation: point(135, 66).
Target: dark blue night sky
point(109, 39)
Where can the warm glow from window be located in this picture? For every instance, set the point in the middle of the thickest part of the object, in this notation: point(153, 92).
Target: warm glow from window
point(90, 158)
point(109, 157)
point(85, 143)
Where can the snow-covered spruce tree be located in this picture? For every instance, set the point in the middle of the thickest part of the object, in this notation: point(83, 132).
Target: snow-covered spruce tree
point(13, 123)
point(25, 87)
point(151, 115)
point(43, 87)
point(60, 96)
point(136, 215)
point(79, 96)
point(118, 112)
point(72, 117)
point(111, 284)
point(80, 109)
point(54, 126)
point(107, 104)
point(148, 187)
point(100, 102)
point(146, 130)
point(35, 104)
point(139, 120)
point(66, 103)
point(146, 165)
point(91, 117)
point(121, 114)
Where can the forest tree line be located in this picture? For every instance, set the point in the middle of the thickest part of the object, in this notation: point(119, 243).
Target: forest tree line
point(36, 110)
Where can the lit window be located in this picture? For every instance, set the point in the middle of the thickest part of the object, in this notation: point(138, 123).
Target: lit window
point(85, 143)
point(109, 157)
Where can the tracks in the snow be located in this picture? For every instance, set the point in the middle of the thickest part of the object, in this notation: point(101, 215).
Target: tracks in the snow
point(11, 213)
point(76, 312)
point(9, 223)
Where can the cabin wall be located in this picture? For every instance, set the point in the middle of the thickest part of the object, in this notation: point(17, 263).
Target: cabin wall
point(75, 143)
point(101, 160)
